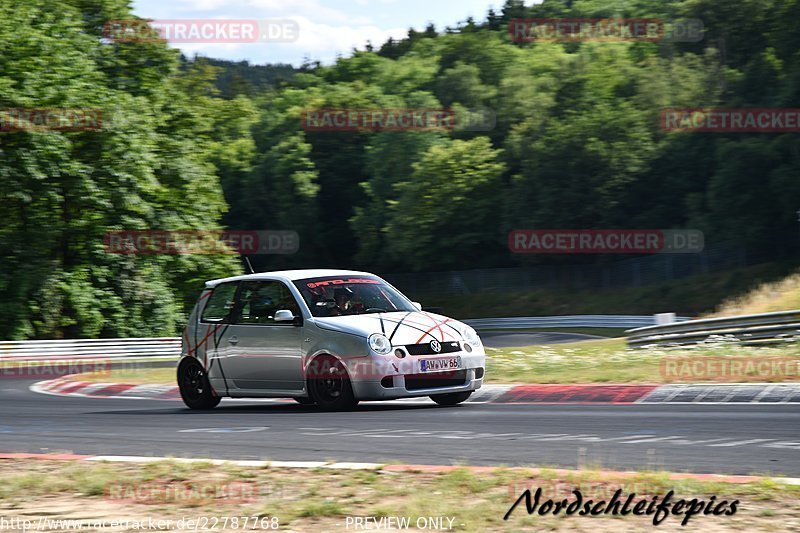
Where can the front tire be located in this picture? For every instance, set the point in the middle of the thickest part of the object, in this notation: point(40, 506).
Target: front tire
point(194, 386)
point(453, 398)
point(329, 385)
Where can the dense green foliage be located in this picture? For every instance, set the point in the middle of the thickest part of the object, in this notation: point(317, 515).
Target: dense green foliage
point(153, 165)
point(577, 143)
point(202, 144)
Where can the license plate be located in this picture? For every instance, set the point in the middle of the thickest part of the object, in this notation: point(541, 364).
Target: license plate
point(444, 363)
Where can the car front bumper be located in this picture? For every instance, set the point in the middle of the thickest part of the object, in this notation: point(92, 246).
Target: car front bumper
point(390, 377)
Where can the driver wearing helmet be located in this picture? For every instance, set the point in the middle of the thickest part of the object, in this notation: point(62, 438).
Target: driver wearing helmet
point(341, 297)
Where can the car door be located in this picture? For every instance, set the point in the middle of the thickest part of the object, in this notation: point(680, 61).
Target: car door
point(210, 343)
point(264, 355)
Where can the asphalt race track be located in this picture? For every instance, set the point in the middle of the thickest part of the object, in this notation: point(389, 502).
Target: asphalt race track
point(733, 439)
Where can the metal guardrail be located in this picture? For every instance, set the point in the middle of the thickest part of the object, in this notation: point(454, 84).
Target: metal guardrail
point(171, 346)
point(573, 321)
point(762, 328)
point(90, 348)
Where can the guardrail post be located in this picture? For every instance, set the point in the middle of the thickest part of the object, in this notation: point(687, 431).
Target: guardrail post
point(664, 318)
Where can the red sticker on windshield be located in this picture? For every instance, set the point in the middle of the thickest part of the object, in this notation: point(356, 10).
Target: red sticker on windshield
point(342, 282)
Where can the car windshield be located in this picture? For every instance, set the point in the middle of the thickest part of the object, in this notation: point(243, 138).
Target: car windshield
point(344, 295)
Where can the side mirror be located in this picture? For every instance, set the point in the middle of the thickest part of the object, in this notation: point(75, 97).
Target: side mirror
point(417, 305)
point(284, 315)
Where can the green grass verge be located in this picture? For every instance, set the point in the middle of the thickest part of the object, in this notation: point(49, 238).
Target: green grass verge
point(610, 361)
point(322, 499)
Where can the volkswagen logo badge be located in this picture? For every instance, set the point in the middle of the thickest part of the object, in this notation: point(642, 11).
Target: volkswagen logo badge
point(435, 346)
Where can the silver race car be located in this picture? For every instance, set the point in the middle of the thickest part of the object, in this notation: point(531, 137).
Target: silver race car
point(324, 337)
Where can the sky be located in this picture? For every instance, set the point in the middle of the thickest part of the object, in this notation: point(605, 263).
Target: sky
point(325, 27)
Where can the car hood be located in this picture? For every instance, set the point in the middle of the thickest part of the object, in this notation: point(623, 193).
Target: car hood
point(402, 328)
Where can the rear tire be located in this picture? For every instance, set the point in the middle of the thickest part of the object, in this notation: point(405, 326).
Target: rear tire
point(193, 383)
point(329, 385)
point(453, 398)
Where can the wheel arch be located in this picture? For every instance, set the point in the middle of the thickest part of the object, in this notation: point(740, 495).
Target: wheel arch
point(322, 354)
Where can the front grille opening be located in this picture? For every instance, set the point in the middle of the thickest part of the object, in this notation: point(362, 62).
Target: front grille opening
point(425, 348)
point(387, 382)
point(435, 380)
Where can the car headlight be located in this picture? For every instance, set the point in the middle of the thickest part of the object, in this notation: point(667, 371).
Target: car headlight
point(471, 336)
point(379, 343)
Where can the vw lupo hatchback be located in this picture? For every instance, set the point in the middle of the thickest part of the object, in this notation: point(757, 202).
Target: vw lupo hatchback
point(324, 337)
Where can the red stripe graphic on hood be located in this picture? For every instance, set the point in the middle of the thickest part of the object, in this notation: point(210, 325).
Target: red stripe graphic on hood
point(435, 326)
point(438, 326)
point(411, 324)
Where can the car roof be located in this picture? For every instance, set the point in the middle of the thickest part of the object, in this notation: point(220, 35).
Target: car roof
point(290, 275)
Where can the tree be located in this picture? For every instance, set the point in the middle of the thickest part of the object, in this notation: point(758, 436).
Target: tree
point(63, 190)
point(448, 207)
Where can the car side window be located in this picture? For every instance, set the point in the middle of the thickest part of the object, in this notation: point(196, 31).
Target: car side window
point(259, 300)
point(220, 303)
